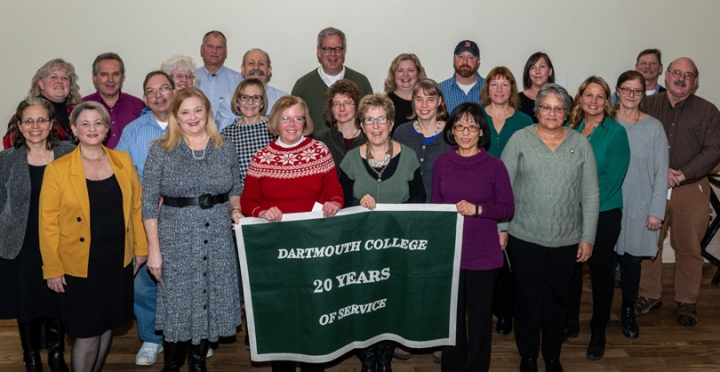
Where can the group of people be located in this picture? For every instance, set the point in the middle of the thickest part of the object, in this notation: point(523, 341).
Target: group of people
point(151, 188)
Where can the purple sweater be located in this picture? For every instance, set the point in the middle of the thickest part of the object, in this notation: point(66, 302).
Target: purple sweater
point(481, 180)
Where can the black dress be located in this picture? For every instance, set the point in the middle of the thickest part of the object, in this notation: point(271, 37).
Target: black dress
point(24, 294)
point(403, 109)
point(90, 306)
point(527, 106)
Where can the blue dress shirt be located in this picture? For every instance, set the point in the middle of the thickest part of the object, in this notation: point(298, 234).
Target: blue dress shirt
point(218, 87)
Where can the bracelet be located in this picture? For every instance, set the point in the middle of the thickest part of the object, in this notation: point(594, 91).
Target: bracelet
point(477, 210)
point(235, 209)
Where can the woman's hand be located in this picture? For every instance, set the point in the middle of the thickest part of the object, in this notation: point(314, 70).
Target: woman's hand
point(57, 284)
point(503, 235)
point(271, 214)
point(236, 216)
point(368, 202)
point(138, 261)
point(330, 209)
point(467, 209)
point(154, 264)
point(584, 251)
point(653, 223)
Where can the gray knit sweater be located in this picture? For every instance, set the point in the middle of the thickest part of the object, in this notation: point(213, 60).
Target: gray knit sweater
point(556, 193)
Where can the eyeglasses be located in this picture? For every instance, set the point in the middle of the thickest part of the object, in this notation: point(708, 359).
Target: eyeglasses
point(328, 50)
point(678, 73)
point(163, 90)
point(459, 127)
point(381, 121)
point(183, 76)
point(546, 109)
point(245, 98)
point(343, 104)
point(626, 91)
point(39, 121)
point(296, 120)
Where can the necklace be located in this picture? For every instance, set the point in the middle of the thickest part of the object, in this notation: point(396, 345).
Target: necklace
point(416, 125)
point(100, 158)
point(632, 124)
point(198, 157)
point(379, 164)
point(357, 133)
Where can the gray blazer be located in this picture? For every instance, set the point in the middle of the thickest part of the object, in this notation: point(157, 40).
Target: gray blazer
point(15, 197)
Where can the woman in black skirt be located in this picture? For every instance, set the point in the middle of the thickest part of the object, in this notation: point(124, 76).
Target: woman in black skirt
point(91, 232)
point(23, 293)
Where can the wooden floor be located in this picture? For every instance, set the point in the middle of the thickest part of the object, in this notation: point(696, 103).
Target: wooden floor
point(664, 345)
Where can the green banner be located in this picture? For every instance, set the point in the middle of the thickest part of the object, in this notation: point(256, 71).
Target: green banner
point(316, 288)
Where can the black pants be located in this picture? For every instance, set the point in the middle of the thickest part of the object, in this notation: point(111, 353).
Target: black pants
point(602, 272)
point(542, 278)
point(504, 303)
point(630, 269)
point(472, 348)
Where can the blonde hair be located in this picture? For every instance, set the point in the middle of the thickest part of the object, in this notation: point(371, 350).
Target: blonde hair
point(577, 115)
point(171, 139)
point(73, 97)
point(390, 84)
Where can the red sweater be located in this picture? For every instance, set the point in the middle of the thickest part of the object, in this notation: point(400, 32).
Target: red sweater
point(292, 179)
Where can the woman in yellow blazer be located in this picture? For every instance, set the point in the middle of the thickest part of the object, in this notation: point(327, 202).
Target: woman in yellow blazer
point(90, 232)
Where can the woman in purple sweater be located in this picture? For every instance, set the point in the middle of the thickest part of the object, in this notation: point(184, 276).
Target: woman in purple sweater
point(478, 184)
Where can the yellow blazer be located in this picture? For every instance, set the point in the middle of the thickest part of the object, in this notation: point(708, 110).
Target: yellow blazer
point(65, 214)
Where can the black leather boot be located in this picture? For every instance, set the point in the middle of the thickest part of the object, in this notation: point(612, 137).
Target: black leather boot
point(596, 349)
point(174, 355)
point(385, 350)
point(368, 358)
point(30, 340)
point(196, 358)
point(55, 335)
point(627, 317)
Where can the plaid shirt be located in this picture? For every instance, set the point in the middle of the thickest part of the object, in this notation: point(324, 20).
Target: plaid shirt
point(248, 140)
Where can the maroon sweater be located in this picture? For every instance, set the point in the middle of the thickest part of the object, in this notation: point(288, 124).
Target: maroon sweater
point(481, 180)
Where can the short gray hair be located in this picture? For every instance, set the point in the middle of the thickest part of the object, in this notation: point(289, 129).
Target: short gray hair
point(329, 32)
point(556, 90)
point(181, 62)
point(90, 106)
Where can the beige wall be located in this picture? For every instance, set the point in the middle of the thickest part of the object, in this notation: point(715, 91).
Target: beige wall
point(582, 37)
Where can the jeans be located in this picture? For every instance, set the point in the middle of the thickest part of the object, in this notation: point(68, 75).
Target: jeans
point(144, 306)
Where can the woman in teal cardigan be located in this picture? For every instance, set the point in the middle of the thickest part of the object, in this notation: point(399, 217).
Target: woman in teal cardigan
point(592, 116)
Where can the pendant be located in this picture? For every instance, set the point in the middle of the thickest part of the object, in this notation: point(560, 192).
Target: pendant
point(379, 180)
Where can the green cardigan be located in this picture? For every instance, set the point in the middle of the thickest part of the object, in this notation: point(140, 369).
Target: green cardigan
point(313, 91)
point(611, 147)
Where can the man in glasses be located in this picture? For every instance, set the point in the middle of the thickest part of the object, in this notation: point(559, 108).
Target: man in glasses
point(256, 64)
point(692, 126)
point(312, 88)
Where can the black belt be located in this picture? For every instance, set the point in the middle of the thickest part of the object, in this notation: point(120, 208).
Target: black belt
point(205, 201)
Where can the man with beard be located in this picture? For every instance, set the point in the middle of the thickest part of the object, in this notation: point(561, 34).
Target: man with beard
point(136, 138)
point(217, 82)
point(312, 88)
point(256, 64)
point(692, 126)
point(108, 75)
point(465, 84)
point(649, 64)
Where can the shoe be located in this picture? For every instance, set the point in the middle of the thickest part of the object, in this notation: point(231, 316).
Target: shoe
point(247, 342)
point(627, 318)
point(437, 356)
point(30, 335)
point(596, 349)
point(210, 353)
point(368, 359)
point(384, 354)
point(197, 356)
point(401, 354)
point(687, 314)
point(553, 365)
point(55, 341)
point(504, 326)
point(643, 305)
point(174, 355)
point(148, 354)
point(528, 365)
point(572, 330)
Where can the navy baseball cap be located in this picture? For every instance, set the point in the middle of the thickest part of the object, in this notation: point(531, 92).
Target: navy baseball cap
point(468, 45)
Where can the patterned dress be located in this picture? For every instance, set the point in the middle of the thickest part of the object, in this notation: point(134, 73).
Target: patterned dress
point(248, 139)
point(198, 296)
